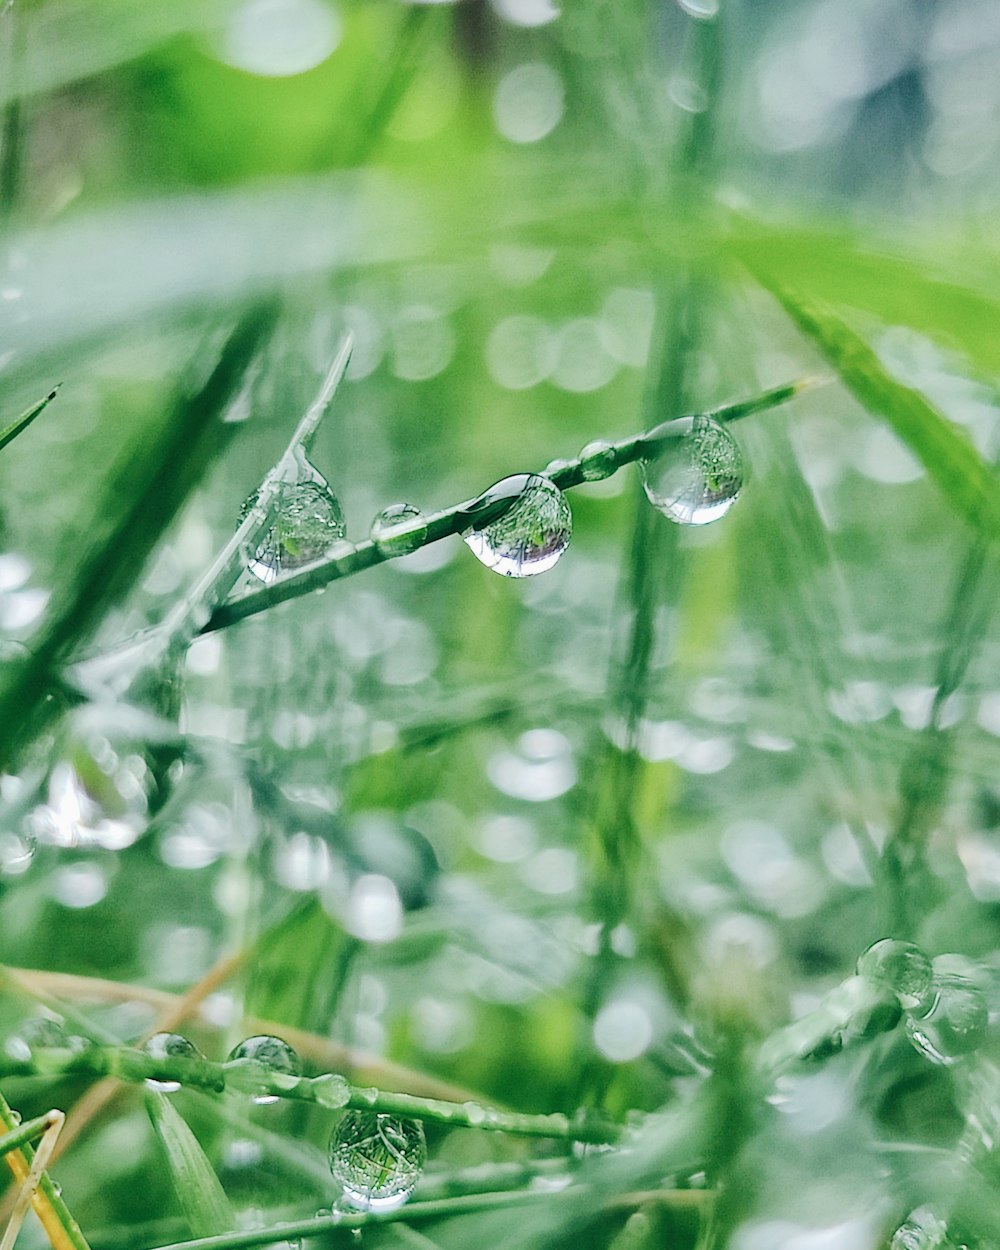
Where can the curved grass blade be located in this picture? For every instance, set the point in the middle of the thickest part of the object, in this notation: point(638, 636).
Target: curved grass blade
point(141, 496)
point(25, 419)
point(964, 478)
point(198, 1188)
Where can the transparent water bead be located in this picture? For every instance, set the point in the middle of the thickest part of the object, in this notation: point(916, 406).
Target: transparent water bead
point(264, 1059)
point(598, 460)
point(169, 1046)
point(921, 1230)
point(33, 1035)
point(307, 521)
point(377, 1159)
point(530, 536)
point(956, 1023)
point(903, 968)
point(399, 529)
point(698, 477)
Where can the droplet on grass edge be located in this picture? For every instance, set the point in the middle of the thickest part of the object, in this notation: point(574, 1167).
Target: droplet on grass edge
point(697, 477)
point(531, 535)
point(377, 1159)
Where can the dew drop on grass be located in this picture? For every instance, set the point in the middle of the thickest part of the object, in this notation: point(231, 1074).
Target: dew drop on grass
point(398, 529)
point(901, 967)
point(697, 477)
point(598, 460)
point(921, 1230)
point(530, 536)
point(307, 521)
point(377, 1159)
point(169, 1046)
point(264, 1058)
point(331, 1091)
point(37, 1033)
point(956, 1023)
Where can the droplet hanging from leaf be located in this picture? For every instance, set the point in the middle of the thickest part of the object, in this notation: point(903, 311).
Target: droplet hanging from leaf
point(377, 1159)
point(527, 538)
point(169, 1046)
point(398, 529)
point(306, 521)
point(697, 477)
point(259, 1061)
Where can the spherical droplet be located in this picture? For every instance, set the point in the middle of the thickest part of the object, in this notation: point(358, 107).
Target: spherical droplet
point(921, 1230)
point(307, 521)
point(377, 1159)
point(264, 1058)
point(169, 1046)
point(956, 1024)
point(901, 967)
point(698, 476)
point(530, 536)
point(331, 1091)
point(556, 466)
point(598, 460)
point(398, 529)
point(35, 1034)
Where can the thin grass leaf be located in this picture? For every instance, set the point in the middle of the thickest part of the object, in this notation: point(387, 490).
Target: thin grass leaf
point(198, 1188)
point(951, 461)
point(25, 419)
point(141, 497)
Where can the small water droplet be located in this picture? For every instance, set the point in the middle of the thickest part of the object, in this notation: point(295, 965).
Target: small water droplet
point(398, 529)
point(921, 1230)
point(37, 1034)
point(531, 535)
point(555, 466)
point(331, 1091)
point(258, 1061)
point(956, 1023)
point(697, 477)
point(902, 967)
point(15, 1116)
point(169, 1046)
point(377, 1159)
point(307, 522)
point(598, 460)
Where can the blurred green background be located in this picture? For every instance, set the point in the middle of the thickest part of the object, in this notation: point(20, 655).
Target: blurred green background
point(547, 840)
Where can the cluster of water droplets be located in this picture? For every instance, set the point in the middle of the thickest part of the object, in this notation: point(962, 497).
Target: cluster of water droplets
point(377, 1159)
point(944, 1002)
point(697, 477)
point(529, 535)
point(257, 1063)
point(306, 522)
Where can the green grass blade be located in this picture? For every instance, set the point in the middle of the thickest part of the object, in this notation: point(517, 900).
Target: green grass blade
point(141, 496)
point(25, 419)
point(198, 1188)
point(952, 462)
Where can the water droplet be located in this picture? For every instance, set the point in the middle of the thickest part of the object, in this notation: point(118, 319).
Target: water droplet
point(259, 1061)
point(598, 460)
point(956, 1023)
point(697, 477)
point(169, 1046)
point(555, 466)
point(398, 529)
point(331, 1091)
point(17, 850)
point(38, 1033)
point(531, 535)
point(901, 967)
point(377, 1159)
point(921, 1230)
point(307, 522)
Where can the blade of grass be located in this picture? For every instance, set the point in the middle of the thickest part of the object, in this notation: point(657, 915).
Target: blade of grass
point(951, 461)
point(25, 419)
point(60, 1227)
point(198, 1189)
point(141, 497)
point(29, 1186)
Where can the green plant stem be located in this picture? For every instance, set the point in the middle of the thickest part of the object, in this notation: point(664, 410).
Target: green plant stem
point(28, 1132)
point(12, 127)
point(22, 422)
point(349, 559)
point(60, 1226)
point(129, 1064)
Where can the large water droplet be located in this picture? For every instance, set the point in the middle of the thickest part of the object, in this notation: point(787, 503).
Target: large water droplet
point(598, 460)
point(169, 1046)
point(398, 529)
point(956, 1023)
point(377, 1159)
point(259, 1061)
point(697, 477)
point(530, 536)
point(307, 521)
point(901, 967)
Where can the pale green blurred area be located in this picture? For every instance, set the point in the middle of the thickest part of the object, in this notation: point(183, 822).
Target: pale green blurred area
point(489, 196)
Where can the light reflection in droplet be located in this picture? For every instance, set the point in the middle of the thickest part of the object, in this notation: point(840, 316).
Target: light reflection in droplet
point(623, 1030)
point(280, 38)
point(374, 910)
